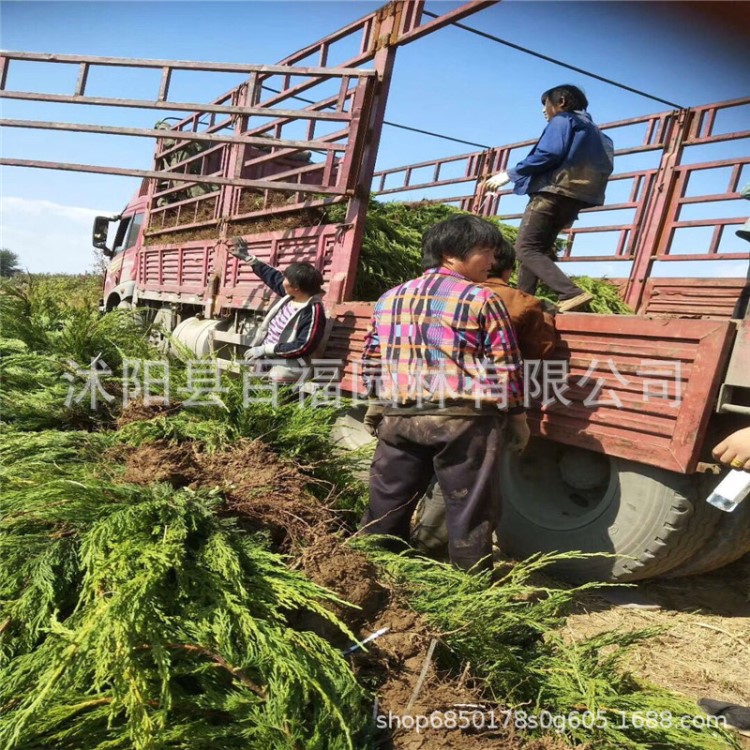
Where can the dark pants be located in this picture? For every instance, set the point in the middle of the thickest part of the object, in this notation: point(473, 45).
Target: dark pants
point(546, 215)
point(430, 534)
point(462, 452)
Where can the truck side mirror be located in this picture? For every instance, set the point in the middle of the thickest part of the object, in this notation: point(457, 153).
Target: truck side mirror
point(99, 235)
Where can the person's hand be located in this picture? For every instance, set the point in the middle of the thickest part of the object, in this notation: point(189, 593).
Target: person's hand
point(373, 418)
point(734, 450)
point(255, 352)
point(239, 250)
point(517, 433)
point(497, 181)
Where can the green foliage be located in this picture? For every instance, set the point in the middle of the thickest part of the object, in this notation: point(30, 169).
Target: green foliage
point(495, 626)
point(607, 300)
point(632, 715)
point(9, 263)
point(140, 617)
point(25, 457)
point(391, 249)
point(51, 318)
point(507, 631)
point(52, 332)
point(392, 252)
point(35, 388)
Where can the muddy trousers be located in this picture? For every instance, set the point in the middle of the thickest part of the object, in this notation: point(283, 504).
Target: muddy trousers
point(462, 452)
point(430, 533)
point(546, 215)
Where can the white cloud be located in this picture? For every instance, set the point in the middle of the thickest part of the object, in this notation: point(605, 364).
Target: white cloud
point(48, 237)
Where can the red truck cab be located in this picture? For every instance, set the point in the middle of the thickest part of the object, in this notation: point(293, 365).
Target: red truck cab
point(121, 275)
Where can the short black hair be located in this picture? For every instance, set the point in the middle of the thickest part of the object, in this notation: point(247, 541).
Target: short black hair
point(456, 238)
point(305, 277)
point(572, 97)
point(504, 260)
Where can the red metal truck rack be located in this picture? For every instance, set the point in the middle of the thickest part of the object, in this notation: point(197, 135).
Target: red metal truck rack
point(614, 476)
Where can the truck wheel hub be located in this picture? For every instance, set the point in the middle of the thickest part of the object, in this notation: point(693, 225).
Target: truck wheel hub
point(556, 486)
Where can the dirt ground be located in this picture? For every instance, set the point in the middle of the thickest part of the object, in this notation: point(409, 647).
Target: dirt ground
point(704, 651)
point(393, 664)
point(266, 492)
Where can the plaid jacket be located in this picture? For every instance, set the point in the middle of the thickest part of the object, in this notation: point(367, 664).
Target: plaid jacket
point(442, 339)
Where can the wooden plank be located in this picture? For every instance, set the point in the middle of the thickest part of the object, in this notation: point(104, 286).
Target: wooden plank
point(701, 392)
point(693, 296)
point(295, 114)
point(177, 135)
point(174, 176)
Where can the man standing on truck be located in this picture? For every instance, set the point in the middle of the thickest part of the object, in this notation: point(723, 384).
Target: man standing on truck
point(294, 326)
point(566, 171)
point(441, 357)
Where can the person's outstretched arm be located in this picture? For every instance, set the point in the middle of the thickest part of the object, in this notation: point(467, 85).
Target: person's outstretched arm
point(270, 276)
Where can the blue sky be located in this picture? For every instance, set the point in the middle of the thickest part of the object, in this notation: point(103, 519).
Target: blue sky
point(451, 82)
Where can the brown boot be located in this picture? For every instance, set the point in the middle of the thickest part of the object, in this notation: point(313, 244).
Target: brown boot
point(571, 304)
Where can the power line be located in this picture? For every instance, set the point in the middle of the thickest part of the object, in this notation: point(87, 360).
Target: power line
point(555, 62)
point(394, 124)
point(435, 135)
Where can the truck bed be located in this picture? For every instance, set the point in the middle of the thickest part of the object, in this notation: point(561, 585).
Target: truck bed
point(638, 358)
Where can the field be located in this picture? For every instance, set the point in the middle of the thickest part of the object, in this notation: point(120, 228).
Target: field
point(175, 575)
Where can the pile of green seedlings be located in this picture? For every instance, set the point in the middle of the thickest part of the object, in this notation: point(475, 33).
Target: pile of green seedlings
point(152, 616)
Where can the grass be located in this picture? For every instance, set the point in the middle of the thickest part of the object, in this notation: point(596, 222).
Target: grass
point(146, 617)
point(508, 631)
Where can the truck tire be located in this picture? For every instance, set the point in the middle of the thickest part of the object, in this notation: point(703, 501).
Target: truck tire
point(729, 542)
point(562, 498)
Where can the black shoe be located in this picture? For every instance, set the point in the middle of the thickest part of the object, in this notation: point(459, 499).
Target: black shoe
point(737, 717)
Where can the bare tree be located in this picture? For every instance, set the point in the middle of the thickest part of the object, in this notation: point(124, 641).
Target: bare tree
point(100, 262)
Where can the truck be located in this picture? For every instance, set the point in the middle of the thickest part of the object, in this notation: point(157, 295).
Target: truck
point(620, 459)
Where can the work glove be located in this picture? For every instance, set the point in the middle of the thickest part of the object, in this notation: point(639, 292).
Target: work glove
point(517, 433)
point(256, 352)
point(496, 181)
point(239, 250)
point(373, 418)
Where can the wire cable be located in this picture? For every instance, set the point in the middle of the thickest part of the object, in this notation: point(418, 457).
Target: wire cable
point(395, 124)
point(555, 61)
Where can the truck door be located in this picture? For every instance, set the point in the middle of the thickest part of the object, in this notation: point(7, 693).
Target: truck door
point(122, 267)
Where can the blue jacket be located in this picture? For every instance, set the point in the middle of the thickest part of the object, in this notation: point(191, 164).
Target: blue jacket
point(572, 157)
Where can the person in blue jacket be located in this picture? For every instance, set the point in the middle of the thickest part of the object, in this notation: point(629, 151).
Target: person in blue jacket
point(566, 171)
point(294, 326)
